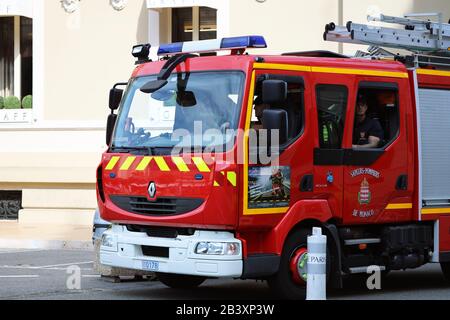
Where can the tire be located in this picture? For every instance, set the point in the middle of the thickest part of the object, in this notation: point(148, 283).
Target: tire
point(178, 281)
point(445, 266)
point(286, 284)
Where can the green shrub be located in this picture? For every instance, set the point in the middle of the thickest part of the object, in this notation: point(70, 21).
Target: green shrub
point(2, 103)
point(12, 103)
point(27, 102)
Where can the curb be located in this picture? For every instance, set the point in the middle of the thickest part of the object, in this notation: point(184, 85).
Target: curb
point(46, 244)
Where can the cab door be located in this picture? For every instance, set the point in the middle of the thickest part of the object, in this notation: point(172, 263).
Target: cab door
point(270, 189)
point(377, 187)
point(331, 99)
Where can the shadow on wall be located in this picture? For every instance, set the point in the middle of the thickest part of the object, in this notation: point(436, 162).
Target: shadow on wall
point(432, 6)
point(142, 23)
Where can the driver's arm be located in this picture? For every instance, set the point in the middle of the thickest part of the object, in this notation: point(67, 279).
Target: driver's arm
point(373, 143)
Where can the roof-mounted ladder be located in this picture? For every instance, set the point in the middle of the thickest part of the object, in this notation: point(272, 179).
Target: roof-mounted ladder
point(419, 36)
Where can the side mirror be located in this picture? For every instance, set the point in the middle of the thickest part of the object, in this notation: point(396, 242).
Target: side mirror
point(276, 119)
point(274, 92)
point(186, 98)
point(115, 96)
point(112, 118)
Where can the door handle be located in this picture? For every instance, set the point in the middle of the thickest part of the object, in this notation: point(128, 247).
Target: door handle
point(402, 182)
point(306, 185)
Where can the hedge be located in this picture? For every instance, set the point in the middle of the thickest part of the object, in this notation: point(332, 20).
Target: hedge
point(27, 102)
point(12, 103)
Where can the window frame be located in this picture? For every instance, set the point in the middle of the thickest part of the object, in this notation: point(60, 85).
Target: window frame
point(380, 86)
point(289, 78)
point(196, 22)
point(344, 117)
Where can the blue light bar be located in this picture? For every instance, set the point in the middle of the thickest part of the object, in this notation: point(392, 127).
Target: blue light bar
point(212, 45)
point(243, 42)
point(170, 48)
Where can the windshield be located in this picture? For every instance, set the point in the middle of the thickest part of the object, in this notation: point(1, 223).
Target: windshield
point(199, 109)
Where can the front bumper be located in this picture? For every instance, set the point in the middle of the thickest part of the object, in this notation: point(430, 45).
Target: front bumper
point(125, 251)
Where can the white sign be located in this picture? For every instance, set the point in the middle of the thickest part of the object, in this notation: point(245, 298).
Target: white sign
point(16, 115)
point(16, 8)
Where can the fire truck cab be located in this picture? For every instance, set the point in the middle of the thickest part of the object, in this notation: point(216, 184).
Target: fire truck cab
point(189, 217)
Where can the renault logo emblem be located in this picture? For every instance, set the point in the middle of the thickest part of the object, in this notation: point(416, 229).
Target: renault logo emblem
point(152, 189)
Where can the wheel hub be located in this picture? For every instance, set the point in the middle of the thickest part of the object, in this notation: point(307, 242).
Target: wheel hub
point(298, 266)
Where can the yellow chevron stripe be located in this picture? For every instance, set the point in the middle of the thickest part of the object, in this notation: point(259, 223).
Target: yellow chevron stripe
point(216, 184)
point(181, 165)
point(231, 176)
point(201, 165)
point(144, 163)
point(162, 165)
point(436, 211)
point(112, 163)
point(127, 164)
point(395, 206)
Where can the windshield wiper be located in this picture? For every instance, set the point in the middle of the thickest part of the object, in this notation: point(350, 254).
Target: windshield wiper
point(147, 150)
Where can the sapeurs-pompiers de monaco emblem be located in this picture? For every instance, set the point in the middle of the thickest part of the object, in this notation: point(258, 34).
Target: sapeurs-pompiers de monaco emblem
point(364, 194)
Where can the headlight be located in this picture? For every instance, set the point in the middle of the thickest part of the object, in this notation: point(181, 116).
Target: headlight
point(108, 241)
point(218, 248)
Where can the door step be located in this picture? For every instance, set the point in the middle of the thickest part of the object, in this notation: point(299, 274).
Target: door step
point(356, 270)
point(352, 242)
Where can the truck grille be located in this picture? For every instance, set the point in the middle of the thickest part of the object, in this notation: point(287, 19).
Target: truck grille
point(160, 207)
point(151, 251)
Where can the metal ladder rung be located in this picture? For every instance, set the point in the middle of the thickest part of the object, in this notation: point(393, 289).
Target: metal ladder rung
point(425, 24)
point(418, 36)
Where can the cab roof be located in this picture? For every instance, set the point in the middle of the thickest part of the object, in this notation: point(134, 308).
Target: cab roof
point(245, 63)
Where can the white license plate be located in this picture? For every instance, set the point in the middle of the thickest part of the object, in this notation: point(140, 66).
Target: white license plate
point(150, 265)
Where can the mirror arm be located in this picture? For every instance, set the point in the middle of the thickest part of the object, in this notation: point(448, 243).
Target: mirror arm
point(172, 63)
point(119, 84)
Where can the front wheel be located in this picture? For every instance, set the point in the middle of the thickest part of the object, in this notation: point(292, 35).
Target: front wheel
point(290, 280)
point(178, 281)
point(445, 266)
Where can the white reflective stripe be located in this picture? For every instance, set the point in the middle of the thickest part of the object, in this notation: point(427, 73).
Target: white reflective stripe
point(200, 46)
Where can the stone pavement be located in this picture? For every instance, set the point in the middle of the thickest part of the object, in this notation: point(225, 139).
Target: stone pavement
point(45, 236)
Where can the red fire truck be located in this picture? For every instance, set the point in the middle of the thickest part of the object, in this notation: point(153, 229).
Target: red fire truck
point(188, 218)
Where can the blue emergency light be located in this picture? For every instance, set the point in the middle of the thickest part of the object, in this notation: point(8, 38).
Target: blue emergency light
point(212, 45)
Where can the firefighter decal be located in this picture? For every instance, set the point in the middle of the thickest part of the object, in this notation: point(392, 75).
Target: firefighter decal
point(269, 187)
point(364, 195)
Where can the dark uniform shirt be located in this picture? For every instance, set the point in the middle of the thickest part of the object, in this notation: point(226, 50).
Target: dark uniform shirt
point(366, 128)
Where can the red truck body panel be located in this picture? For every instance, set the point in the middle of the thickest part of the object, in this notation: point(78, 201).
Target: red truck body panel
point(221, 184)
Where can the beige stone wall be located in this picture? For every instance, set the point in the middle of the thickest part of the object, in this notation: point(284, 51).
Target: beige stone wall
point(287, 25)
point(298, 25)
point(86, 53)
point(55, 169)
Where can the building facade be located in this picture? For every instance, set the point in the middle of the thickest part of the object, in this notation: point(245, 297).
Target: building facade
point(64, 56)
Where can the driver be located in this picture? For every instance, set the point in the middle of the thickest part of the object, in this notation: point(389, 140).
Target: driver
point(368, 132)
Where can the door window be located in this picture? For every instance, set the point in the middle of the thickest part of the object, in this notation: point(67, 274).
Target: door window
point(376, 122)
point(331, 110)
point(293, 104)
